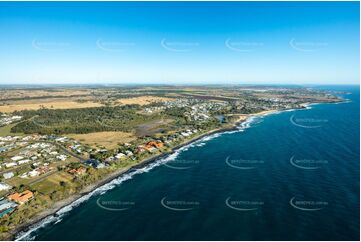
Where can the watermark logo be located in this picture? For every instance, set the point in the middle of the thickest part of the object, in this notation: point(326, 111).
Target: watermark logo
point(114, 46)
point(112, 205)
point(307, 46)
point(243, 164)
point(181, 164)
point(307, 123)
point(242, 205)
point(307, 164)
point(242, 46)
point(178, 46)
point(307, 205)
point(179, 205)
point(49, 45)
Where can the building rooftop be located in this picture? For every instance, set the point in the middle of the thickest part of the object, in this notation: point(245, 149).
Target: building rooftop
point(21, 197)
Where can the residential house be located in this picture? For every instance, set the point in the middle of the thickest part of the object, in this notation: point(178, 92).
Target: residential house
point(155, 144)
point(129, 153)
point(10, 164)
point(4, 186)
point(6, 207)
point(61, 157)
point(21, 198)
point(120, 156)
point(8, 175)
point(92, 162)
point(141, 149)
point(78, 171)
point(23, 161)
point(17, 158)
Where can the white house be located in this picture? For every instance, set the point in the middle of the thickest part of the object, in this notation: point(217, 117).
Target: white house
point(10, 164)
point(4, 186)
point(23, 161)
point(16, 158)
point(8, 175)
point(33, 173)
point(129, 153)
point(120, 155)
point(61, 157)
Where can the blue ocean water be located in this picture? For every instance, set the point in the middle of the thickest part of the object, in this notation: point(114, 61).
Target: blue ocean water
point(288, 176)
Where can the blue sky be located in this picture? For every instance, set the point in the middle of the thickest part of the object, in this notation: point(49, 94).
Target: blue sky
point(179, 42)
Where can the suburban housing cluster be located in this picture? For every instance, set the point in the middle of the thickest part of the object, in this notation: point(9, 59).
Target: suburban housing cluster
point(33, 157)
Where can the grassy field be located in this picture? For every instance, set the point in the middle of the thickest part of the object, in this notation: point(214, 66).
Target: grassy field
point(109, 140)
point(49, 184)
point(52, 104)
point(143, 100)
point(6, 130)
point(7, 94)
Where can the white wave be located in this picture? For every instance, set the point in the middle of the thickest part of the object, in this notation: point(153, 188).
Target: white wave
point(345, 101)
point(210, 137)
point(58, 221)
point(28, 234)
point(249, 121)
point(201, 144)
point(290, 110)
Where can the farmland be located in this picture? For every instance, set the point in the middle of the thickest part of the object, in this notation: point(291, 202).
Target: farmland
point(39, 104)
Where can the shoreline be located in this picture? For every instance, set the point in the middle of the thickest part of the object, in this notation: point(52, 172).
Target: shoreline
point(57, 206)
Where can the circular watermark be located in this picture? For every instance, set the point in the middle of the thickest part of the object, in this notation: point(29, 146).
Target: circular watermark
point(178, 46)
point(243, 164)
point(114, 46)
point(242, 46)
point(307, 46)
point(181, 164)
point(243, 205)
point(307, 123)
point(179, 205)
point(49, 45)
point(307, 164)
point(113, 205)
point(307, 205)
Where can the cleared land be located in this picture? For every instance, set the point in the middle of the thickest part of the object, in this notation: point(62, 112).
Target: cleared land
point(47, 185)
point(153, 127)
point(50, 105)
point(16, 94)
point(109, 140)
point(143, 100)
point(6, 130)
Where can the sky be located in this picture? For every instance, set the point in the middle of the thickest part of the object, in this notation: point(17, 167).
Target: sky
point(179, 43)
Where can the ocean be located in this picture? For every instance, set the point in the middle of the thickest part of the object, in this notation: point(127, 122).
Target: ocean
point(287, 176)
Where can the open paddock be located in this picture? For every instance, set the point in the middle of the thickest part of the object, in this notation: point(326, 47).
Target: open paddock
point(142, 100)
point(109, 140)
point(50, 104)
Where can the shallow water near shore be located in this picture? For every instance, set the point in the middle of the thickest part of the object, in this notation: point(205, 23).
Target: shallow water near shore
point(287, 176)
